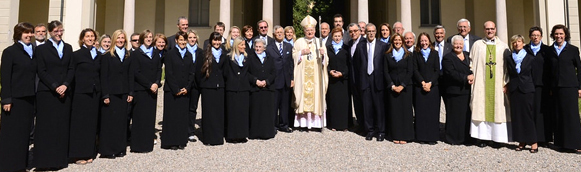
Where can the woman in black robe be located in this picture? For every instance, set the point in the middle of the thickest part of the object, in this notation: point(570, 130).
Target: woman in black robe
point(53, 97)
point(146, 67)
point(18, 75)
point(459, 79)
point(117, 91)
point(210, 81)
point(338, 99)
point(565, 84)
point(399, 70)
point(85, 108)
point(521, 91)
point(426, 92)
point(179, 74)
point(237, 93)
point(194, 92)
point(262, 98)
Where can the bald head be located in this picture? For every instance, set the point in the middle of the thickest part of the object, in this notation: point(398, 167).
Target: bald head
point(325, 29)
point(398, 28)
point(489, 29)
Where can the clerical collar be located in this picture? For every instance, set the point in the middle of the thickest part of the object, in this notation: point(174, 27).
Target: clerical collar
point(490, 41)
point(40, 42)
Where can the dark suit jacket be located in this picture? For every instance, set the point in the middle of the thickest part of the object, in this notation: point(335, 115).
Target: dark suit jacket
point(171, 42)
point(447, 48)
point(522, 81)
point(351, 58)
point(472, 38)
point(456, 73)
point(338, 62)
point(262, 71)
point(199, 59)
point(18, 73)
point(566, 67)
point(249, 48)
point(147, 71)
point(361, 76)
point(116, 76)
point(346, 36)
point(179, 73)
point(284, 64)
point(427, 71)
point(87, 71)
point(541, 70)
point(329, 40)
point(216, 78)
point(399, 73)
point(236, 77)
point(52, 70)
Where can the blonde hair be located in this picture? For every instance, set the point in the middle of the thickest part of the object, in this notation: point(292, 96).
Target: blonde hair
point(227, 43)
point(195, 33)
point(291, 29)
point(114, 40)
point(515, 38)
point(235, 50)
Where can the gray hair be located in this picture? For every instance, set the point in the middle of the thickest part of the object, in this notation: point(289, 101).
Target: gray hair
point(324, 23)
point(396, 23)
point(258, 40)
point(182, 18)
point(362, 22)
point(354, 24)
point(439, 27)
point(411, 33)
point(260, 21)
point(457, 37)
point(461, 21)
point(276, 27)
point(369, 24)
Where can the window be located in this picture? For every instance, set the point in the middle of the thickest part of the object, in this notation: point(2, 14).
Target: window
point(430, 13)
point(199, 13)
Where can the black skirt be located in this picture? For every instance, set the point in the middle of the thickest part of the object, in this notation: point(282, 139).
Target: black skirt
point(261, 115)
point(175, 120)
point(213, 116)
point(51, 133)
point(400, 116)
point(15, 134)
point(113, 131)
point(457, 118)
point(143, 124)
point(568, 128)
point(84, 125)
point(338, 105)
point(237, 111)
point(427, 111)
point(523, 118)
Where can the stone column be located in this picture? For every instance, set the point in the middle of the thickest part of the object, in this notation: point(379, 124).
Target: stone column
point(82, 17)
point(129, 17)
point(268, 14)
point(9, 16)
point(224, 15)
point(362, 11)
point(501, 21)
point(406, 15)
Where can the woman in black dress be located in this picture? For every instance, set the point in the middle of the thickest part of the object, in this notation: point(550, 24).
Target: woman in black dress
point(53, 97)
point(147, 70)
point(237, 93)
point(459, 78)
point(18, 75)
point(399, 69)
point(194, 92)
point(262, 98)
point(543, 108)
point(248, 35)
point(179, 74)
point(85, 108)
point(210, 80)
point(426, 92)
point(117, 91)
point(521, 91)
point(338, 100)
point(565, 84)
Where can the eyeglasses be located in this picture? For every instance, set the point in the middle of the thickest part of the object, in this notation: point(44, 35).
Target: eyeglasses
point(263, 27)
point(59, 31)
point(134, 40)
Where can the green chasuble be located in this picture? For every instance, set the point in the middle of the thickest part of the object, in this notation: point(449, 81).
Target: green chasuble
point(489, 82)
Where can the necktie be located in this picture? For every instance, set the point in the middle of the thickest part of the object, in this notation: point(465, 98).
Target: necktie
point(440, 53)
point(370, 59)
point(280, 48)
point(466, 43)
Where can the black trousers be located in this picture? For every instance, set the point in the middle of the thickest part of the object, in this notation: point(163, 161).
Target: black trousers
point(84, 125)
point(194, 98)
point(457, 118)
point(283, 110)
point(568, 128)
point(143, 125)
point(175, 120)
point(373, 108)
point(14, 135)
point(113, 132)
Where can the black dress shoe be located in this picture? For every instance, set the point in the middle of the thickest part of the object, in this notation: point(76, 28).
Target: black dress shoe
point(192, 139)
point(481, 144)
point(380, 137)
point(120, 154)
point(369, 136)
point(432, 143)
point(181, 147)
point(107, 156)
point(286, 130)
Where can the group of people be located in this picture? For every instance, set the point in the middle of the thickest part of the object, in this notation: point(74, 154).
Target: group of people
point(103, 96)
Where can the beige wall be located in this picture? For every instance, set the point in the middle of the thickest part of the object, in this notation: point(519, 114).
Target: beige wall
point(145, 12)
point(33, 11)
point(109, 16)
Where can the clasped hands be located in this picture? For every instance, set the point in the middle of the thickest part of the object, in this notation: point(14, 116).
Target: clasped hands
point(261, 83)
point(397, 89)
point(335, 74)
point(426, 86)
point(470, 79)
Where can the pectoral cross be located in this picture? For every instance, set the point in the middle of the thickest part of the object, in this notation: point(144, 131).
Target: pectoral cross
point(490, 64)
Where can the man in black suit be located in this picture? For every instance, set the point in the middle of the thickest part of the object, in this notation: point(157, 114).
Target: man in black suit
point(263, 32)
point(443, 48)
point(40, 34)
point(355, 39)
point(369, 72)
point(464, 31)
point(325, 30)
point(362, 25)
point(338, 22)
point(283, 61)
point(182, 27)
point(219, 27)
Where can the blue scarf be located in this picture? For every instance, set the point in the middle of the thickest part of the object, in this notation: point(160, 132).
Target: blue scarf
point(385, 40)
point(27, 48)
point(59, 47)
point(102, 50)
point(120, 52)
point(398, 54)
point(217, 53)
point(261, 56)
point(182, 51)
point(192, 49)
point(249, 43)
point(536, 48)
point(426, 53)
point(518, 57)
point(559, 49)
point(240, 59)
point(231, 42)
point(93, 52)
point(337, 46)
point(147, 51)
point(289, 41)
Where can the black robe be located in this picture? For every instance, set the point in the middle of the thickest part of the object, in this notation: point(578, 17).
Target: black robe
point(457, 97)
point(399, 105)
point(237, 98)
point(338, 99)
point(427, 104)
point(521, 91)
point(262, 99)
